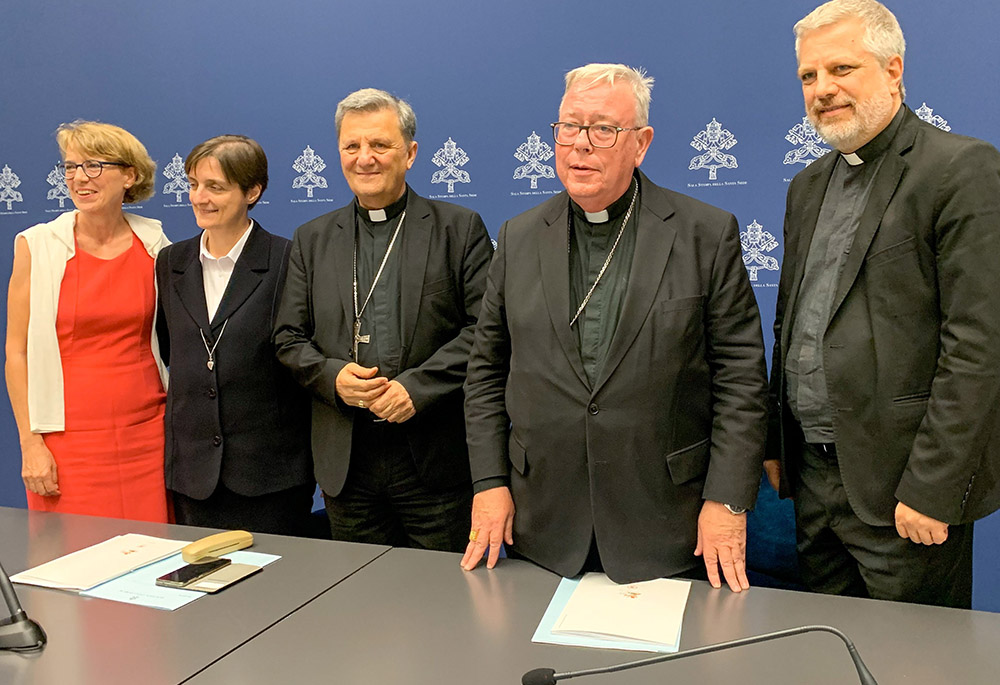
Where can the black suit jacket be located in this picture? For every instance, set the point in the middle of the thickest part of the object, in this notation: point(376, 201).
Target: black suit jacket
point(445, 252)
point(246, 422)
point(912, 349)
point(676, 416)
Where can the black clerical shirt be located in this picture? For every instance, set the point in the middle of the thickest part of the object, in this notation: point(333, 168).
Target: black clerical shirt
point(381, 318)
point(589, 245)
point(844, 203)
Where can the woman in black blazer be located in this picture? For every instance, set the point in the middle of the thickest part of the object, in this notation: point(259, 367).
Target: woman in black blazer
point(237, 425)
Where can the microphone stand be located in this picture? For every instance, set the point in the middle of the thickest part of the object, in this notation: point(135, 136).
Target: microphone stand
point(18, 633)
point(548, 676)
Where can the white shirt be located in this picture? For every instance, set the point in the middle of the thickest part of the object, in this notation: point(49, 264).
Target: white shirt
point(217, 272)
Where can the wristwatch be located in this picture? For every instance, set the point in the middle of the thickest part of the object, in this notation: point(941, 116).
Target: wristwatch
point(736, 511)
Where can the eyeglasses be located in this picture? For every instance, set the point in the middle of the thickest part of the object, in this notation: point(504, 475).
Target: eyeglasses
point(92, 167)
point(599, 135)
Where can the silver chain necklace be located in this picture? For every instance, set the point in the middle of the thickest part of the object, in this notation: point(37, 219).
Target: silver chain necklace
point(358, 338)
point(607, 261)
point(211, 350)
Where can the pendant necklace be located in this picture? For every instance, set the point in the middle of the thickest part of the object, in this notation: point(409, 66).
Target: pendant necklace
point(211, 350)
point(357, 338)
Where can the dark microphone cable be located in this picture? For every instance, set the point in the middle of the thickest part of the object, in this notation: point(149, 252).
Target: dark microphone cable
point(548, 676)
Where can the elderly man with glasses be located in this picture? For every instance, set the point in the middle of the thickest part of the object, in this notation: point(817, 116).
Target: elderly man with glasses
point(616, 389)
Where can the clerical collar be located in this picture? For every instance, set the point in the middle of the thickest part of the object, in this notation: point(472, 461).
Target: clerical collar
point(877, 146)
point(613, 211)
point(377, 216)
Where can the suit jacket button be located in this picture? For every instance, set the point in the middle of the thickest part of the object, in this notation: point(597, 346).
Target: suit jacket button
point(217, 440)
point(212, 393)
point(594, 409)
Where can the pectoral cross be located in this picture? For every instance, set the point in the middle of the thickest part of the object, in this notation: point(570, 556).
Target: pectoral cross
point(358, 338)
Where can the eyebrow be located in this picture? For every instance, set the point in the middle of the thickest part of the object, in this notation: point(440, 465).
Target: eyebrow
point(836, 60)
point(600, 116)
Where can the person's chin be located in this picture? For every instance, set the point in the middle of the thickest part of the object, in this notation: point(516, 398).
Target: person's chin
point(367, 189)
point(840, 139)
point(582, 188)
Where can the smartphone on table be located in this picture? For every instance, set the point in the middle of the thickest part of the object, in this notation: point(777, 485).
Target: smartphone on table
point(190, 573)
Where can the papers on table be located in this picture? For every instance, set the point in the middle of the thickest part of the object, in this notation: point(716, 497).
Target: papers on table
point(98, 563)
point(125, 569)
point(139, 586)
point(596, 612)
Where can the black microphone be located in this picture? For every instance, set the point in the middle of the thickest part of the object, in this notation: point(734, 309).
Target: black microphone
point(18, 633)
point(548, 676)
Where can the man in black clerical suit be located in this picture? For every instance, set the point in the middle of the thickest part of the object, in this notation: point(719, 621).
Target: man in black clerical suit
point(886, 371)
point(616, 389)
point(376, 322)
point(237, 448)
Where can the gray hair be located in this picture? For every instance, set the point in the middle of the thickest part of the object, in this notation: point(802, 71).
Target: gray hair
point(637, 79)
point(374, 100)
point(883, 36)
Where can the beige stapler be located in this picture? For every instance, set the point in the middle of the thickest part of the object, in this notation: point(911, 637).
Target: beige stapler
point(216, 545)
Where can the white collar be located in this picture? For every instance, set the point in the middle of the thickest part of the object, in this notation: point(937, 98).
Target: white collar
point(852, 158)
point(234, 254)
point(376, 214)
point(597, 217)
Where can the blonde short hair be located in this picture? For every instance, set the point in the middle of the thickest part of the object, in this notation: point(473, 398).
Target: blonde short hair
point(116, 144)
point(637, 79)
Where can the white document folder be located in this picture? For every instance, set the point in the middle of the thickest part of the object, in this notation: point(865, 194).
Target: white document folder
point(91, 566)
point(647, 612)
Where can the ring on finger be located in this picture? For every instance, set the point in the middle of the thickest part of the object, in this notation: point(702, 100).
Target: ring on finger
point(473, 534)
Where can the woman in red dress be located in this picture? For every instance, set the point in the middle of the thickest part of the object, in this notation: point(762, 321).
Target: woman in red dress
point(83, 373)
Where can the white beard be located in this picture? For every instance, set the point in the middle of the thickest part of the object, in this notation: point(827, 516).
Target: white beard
point(852, 133)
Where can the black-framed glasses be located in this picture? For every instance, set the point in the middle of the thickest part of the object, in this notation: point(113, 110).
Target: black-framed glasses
point(92, 167)
point(599, 135)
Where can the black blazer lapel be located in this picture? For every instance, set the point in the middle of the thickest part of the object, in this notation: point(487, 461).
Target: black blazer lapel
point(247, 274)
point(804, 225)
point(883, 188)
point(653, 241)
point(415, 237)
point(342, 246)
point(554, 267)
point(187, 282)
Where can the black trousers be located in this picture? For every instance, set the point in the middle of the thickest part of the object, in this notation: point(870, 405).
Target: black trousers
point(840, 554)
point(593, 563)
point(286, 512)
point(385, 502)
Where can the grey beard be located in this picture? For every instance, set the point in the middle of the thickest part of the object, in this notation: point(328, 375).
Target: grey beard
point(848, 136)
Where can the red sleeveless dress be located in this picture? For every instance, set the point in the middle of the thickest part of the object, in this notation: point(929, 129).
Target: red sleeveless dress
point(109, 459)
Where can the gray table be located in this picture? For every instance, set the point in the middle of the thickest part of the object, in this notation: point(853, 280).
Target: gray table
point(99, 641)
point(415, 617)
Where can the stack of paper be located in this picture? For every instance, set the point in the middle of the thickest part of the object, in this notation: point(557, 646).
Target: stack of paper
point(596, 612)
point(99, 563)
point(139, 587)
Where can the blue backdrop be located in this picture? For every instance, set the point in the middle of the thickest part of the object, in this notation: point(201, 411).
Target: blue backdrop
point(485, 80)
